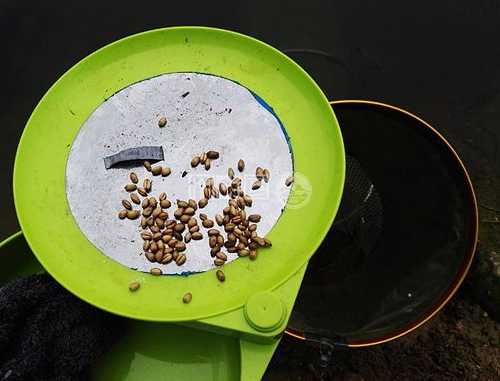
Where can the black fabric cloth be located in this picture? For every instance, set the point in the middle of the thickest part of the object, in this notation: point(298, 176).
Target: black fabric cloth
point(46, 333)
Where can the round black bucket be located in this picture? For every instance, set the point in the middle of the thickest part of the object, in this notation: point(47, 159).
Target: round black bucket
point(404, 237)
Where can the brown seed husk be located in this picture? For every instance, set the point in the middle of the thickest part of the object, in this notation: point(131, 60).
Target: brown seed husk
point(167, 258)
point(218, 262)
point(192, 204)
point(208, 164)
point(178, 213)
point(214, 250)
point(243, 253)
point(147, 165)
point(150, 221)
point(122, 214)
point(180, 246)
point(159, 222)
point(253, 245)
point(165, 171)
point(192, 222)
point(197, 236)
point(210, 182)
point(256, 185)
point(163, 215)
point(267, 175)
point(221, 255)
point(150, 256)
point(220, 240)
point(180, 260)
point(202, 203)
point(179, 228)
point(135, 199)
point(156, 236)
point(165, 204)
point(145, 203)
point(145, 245)
point(166, 238)
point(223, 189)
point(147, 185)
point(133, 214)
point(146, 235)
point(152, 202)
point(229, 227)
point(232, 249)
point(156, 170)
point(130, 187)
point(267, 242)
point(252, 227)
point(213, 232)
point(213, 155)
point(206, 192)
point(155, 271)
point(133, 177)
point(162, 196)
point(142, 192)
point(226, 210)
point(203, 216)
point(208, 223)
point(189, 211)
point(253, 254)
point(289, 181)
point(241, 165)
point(254, 217)
point(154, 229)
point(134, 286)
point(187, 298)
point(230, 173)
point(195, 161)
point(248, 200)
point(162, 122)
point(156, 212)
point(187, 237)
point(212, 241)
point(215, 192)
point(153, 247)
point(147, 212)
point(260, 241)
point(218, 219)
point(159, 255)
point(172, 243)
point(185, 218)
point(160, 244)
point(203, 158)
point(194, 229)
point(220, 275)
point(143, 222)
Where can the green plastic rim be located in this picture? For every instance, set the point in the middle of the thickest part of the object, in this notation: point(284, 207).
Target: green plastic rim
point(39, 172)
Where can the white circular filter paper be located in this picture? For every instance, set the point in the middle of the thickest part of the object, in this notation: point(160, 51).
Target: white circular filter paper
point(204, 112)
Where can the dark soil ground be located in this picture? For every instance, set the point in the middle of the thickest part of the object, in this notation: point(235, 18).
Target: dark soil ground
point(461, 343)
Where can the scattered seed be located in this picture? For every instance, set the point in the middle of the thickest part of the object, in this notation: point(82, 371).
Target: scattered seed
point(165, 204)
point(142, 192)
point(178, 213)
point(220, 275)
point(243, 253)
point(260, 241)
point(145, 203)
point(166, 238)
point(267, 175)
point(143, 222)
point(206, 192)
point(226, 210)
point(180, 260)
point(289, 181)
point(165, 171)
point(147, 184)
point(130, 187)
point(226, 219)
point(150, 256)
point(259, 173)
point(202, 203)
point(241, 165)
point(167, 258)
point(147, 212)
point(218, 262)
point(146, 235)
point(145, 245)
point(197, 236)
point(162, 196)
point(195, 161)
point(155, 271)
point(154, 229)
point(256, 185)
point(132, 214)
point(122, 214)
point(163, 215)
point(253, 255)
point(187, 298)
point(213, 232)
point(248, 200)
point(214, 250)
point(180, 246)
point(232, 249)
point(203, 158)
point(156, 212)
point(162, 122)
point(135, 199)
point(253, 245)
point(229, 227)
point(252, 227)
point(267, 242)
point(134, 286)
point(147, 165)
point(208, 223)
point(203, 216)
point(214, 191)
point(208, 164)
point(230, 173)
point(213, 155)
point(159, 255)
point(218, 219)
point(192, 222)
point(223, 189)
point(221, 255)
point(133, 177)
point(156, 170)
point(241, 202)
point(220, 240)
point(187, 237)
point(212, 241)
point(254, 218)
point(150, 221)
point(179, 228)
point(194, 229)
point(184, 218)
